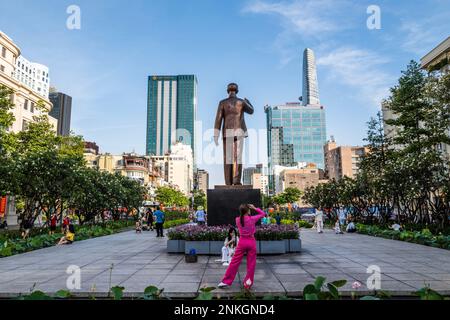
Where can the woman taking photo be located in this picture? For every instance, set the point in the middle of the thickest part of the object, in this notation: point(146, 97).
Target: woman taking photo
point(246, 245)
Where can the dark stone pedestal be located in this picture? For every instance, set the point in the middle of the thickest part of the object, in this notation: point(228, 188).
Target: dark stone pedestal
point(224, 201)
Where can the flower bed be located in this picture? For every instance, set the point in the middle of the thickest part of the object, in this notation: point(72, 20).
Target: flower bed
point(11, 244)
point(272, 239)
point(424, 237)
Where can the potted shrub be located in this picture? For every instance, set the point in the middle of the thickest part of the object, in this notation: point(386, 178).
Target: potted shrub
point(196, 238)
point(216, 236)
point(270, 240)
point(176, 242)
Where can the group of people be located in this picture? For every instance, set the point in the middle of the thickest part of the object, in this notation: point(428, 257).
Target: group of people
point(151, 217)
point(200, 216)
point(343, 220)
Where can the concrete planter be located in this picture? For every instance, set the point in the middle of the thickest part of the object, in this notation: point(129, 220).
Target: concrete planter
point(286, 245)
point(272, 247)
point(175, 246)
point(201, 247)
point(295, 245)
point(215, 247)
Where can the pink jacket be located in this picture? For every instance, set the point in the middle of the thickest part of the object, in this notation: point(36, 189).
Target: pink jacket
point(249, 229)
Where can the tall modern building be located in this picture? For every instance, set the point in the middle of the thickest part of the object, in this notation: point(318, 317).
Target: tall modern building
point(310, 94)
point(62, 110)
point(296, 132)
point(202, 180)
point(171, 112)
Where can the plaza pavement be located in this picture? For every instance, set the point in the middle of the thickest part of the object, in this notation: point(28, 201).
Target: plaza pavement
point(140, 260)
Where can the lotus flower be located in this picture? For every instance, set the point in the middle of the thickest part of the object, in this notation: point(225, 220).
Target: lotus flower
point(356, 285)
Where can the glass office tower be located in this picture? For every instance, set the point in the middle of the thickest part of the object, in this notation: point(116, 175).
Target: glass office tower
point(62, 110)
point(296, 133)
point(171, 112)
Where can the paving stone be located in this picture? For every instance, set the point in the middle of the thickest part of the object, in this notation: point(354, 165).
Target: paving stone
point(141, 260)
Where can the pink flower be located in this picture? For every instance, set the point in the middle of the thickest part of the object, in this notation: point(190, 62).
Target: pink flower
point(356, 285)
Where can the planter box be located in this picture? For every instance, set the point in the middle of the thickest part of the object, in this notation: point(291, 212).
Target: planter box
point(215, 247)
point(273, 247)
point(175, 246)
point(286, 245)
point(201, 247)
point(295, 245)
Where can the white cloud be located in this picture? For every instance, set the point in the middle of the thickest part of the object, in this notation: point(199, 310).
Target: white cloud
point(309, 18)
point(421, 36)
point(359, 69)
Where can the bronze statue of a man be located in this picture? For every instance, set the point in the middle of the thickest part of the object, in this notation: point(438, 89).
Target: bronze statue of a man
point(231, 113)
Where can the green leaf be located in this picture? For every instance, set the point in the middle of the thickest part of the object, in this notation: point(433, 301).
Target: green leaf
point(339, 283)
point(117, 292)
point(150, 290)
point(333, 290)
point(309, 289)
point(37, 295)
point(207, 289)
point(63, 294)
point(311, 296)
point(319, 282)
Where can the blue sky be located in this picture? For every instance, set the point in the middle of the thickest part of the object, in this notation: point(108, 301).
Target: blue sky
point(258, 44)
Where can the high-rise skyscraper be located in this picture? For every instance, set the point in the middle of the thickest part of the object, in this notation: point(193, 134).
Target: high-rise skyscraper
point(296, 132)
point(62, 110)
point(171, 112)
point(310, 94)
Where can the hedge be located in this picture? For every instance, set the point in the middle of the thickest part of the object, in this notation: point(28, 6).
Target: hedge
point(424, 237)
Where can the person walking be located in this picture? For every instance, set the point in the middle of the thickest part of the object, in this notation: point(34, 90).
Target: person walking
point(319, 220)
point(200, 215)
point(159, 218)
point(246, 245)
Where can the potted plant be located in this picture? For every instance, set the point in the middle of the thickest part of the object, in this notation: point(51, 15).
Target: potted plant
point(270, 240)
point(176, 242)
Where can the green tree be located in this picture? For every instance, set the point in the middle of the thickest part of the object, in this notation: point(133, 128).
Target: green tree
point(199, 198)
point(292, 195)
point(7, 163)
point(171, 197)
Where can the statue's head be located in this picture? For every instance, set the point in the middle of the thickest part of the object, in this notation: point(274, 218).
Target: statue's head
point(232, 87)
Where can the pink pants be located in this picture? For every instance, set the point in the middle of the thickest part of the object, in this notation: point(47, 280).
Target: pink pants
point(245, 246)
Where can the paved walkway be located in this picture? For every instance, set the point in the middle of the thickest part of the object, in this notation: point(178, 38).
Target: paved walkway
point(140, 260)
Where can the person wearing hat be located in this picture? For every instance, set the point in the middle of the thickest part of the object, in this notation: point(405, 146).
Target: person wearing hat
point(200, 216)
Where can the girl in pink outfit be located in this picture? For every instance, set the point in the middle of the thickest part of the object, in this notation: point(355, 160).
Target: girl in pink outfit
point(247, 245)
